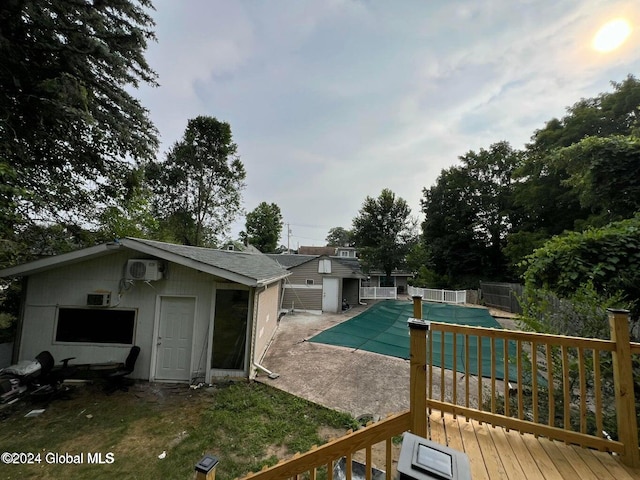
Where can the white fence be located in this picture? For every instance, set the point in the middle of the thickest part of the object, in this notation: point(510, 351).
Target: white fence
point(443, 296)
point(378, 293)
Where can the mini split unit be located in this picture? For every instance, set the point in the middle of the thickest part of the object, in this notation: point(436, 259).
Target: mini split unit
point(146, 270)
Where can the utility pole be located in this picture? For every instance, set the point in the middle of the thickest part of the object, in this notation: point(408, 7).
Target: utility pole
point(288, 237)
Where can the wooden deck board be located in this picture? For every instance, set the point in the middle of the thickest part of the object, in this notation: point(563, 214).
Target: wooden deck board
point(490, 454)
point(521, 452)
point(472, 449)
point(495, 453)
point(509, 459)
point(559, 460)
point(593, 463)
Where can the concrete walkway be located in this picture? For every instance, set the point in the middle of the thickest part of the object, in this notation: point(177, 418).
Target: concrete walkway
point(354, 381)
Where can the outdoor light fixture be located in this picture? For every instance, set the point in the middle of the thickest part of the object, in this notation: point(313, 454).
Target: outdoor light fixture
point(422, 459)
point(206, 467)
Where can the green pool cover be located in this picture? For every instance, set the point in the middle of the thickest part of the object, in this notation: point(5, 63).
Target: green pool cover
point(383, 329)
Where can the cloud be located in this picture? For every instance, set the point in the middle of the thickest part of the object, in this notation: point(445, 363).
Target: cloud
point(330, 102)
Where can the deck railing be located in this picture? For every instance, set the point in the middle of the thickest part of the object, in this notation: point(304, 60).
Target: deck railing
point(439, 295)
point(378, 293)
point(549, 385)
point(553, 387)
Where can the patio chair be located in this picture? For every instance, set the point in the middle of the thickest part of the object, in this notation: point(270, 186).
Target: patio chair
point(116, 380)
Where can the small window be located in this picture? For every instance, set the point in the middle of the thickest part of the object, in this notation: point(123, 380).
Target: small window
point(344, 253)
point(95, 325)
point(324, 266)
point(309, 281)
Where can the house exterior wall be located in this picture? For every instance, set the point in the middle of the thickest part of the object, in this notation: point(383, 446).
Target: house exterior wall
point(300, 296)
point(68, 286)
point(400, 282)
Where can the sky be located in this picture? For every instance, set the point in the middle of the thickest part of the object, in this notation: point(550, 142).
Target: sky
point(332, 101)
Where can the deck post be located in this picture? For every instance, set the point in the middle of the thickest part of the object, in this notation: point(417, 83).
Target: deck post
point(418, 329)
point(623, 386)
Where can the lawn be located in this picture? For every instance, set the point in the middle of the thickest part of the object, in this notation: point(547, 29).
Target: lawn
point(246, 425)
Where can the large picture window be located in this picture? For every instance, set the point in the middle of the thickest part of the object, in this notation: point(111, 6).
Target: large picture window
point(95, 325)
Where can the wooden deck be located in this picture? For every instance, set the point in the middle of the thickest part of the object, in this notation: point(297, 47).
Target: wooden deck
point(496, 453)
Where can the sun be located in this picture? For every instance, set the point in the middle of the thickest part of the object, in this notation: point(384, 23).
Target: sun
point(611, 35)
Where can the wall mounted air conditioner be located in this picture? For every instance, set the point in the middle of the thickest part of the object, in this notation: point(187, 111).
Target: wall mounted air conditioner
point(99, 299)
point(146, 270)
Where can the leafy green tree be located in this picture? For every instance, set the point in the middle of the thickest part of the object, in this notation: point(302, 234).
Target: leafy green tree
point(197, 190)
point(263, 227)
point(609, 113)
point(339, 237)
point(381, 232)
point(607, 257)
point(469, 213)
point(132, 216)
point(70, 130)
point(548, 189)
point(604, 172)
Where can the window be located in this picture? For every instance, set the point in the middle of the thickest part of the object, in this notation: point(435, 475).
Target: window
point(309, 281)
point(95, 325)
point(324, 266)
point(344, 253)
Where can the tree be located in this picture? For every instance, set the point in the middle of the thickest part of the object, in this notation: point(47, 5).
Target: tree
point(607, 257)
point(339, 237)
point(197, 190)
point(263, 227)
point(469, 214)
point(70, 131)
point(605, 174)
point(381, 232)
point(546, 181)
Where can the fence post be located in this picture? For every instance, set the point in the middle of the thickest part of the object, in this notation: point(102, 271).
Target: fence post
point(418, 374)
point(623, 386)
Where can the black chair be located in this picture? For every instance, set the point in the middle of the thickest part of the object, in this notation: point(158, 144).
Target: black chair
point(49, 380)
point(46, 361)
point(116, 380)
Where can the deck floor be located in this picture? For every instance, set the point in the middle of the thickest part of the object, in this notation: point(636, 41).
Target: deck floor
point(496, 453)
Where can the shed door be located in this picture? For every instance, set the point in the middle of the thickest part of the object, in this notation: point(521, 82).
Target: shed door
point(230, 330)
point(330, 294)
point(173, 357)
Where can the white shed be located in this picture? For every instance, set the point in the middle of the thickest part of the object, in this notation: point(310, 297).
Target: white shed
point(196, 313)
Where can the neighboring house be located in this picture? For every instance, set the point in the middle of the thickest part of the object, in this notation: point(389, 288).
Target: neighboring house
point(319, 283)
point(238, 246)
point(349, 252)
point(398, 279)
point(196, 313)
point(316, 250)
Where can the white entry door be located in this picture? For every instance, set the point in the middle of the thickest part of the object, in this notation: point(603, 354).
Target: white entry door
point(330, 294)
point(175, 334)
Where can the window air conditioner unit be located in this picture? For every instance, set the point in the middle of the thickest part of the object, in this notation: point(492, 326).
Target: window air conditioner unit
point(147, 270)
point(102, 299)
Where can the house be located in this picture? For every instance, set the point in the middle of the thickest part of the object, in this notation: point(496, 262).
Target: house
point(349, 252)
point(196, 313)
point(302, 250)
point(398, 279)
point(319, 283)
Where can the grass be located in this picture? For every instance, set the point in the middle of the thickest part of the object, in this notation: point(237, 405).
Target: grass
point(245, 425)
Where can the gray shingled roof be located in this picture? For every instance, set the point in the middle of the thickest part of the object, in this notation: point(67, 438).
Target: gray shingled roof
point(291, 260)
point(255, 266)
point(251, 269)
